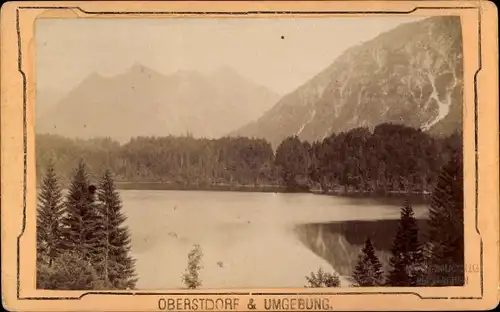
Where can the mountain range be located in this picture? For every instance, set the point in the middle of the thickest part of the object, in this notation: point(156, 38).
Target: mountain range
point(144, 102)
point(412, 74)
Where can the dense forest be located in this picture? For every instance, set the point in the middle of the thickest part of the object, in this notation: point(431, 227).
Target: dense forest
point(182, 160)
point(390, 158)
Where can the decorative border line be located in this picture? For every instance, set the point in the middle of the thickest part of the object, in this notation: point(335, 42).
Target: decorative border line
point(25, 147)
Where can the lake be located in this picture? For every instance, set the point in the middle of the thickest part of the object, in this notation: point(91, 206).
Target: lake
point(247, 238)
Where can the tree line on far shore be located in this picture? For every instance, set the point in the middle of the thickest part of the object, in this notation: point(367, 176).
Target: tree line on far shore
point(391, 158)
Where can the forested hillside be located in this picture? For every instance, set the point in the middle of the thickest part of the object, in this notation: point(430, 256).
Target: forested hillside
point(391, 158)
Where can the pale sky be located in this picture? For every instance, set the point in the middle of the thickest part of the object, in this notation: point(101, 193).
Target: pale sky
point(68, 50)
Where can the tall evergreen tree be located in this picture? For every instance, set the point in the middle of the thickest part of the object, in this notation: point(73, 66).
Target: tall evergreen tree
point(368, 271)
point(407, 256)
point(446, 226)
point(82, 223)
point(50, 212)
point(118, 267)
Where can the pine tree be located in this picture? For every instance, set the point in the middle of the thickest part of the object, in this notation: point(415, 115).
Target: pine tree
point(407, 256)
point(118, 267)
point(82, 223)
point(446, 226)
point(50, 211)
point(368, 271)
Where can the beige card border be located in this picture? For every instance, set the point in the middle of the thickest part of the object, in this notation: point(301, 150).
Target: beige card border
point(479, 20)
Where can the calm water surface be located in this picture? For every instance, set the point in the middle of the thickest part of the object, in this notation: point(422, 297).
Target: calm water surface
point(246, 238)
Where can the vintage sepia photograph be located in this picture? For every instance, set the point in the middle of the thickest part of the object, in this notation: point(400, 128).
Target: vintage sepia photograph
point(192, 153)
point(249, 156)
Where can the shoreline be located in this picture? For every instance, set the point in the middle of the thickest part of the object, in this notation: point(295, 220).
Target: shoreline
point(162, 186)
point(420, 197)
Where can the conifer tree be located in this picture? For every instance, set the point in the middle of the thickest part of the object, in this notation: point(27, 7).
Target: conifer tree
point(82, 223)
point(50, 211)
point(407, 256)
point(368, 271)
point(446, 226)
point(118, 267)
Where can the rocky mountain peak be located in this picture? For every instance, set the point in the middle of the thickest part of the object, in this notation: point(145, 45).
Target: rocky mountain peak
point(410, 75)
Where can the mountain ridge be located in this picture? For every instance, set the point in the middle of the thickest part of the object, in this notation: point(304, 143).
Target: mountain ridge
point(142, 101)
point(411, 74)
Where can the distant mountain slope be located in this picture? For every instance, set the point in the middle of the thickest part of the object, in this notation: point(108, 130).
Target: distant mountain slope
point(145, 102)
point(411, 75)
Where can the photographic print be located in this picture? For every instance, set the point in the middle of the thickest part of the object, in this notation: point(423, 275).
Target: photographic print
point(192, 155)
point(166, 136)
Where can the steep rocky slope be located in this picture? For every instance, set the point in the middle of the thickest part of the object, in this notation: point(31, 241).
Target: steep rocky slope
point(412, 74)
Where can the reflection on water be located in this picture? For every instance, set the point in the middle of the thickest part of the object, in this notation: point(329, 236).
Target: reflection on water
point(249, 240)
point(340, 242)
